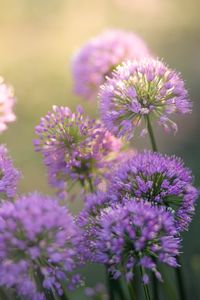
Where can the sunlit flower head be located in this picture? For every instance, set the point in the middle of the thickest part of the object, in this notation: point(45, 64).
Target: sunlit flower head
point(160, 179)
point(142, 91)
point(97, 59)
point(7, 101)
point(74, 147)
point(38, 249)
point(132, 235)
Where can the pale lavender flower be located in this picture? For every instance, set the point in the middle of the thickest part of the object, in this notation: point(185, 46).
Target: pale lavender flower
point(7, 101)
point(97, 59)
point(74, 147)
point(9, 175)
point(141, 91)
point(134, 234)
point(159, 179)
point(38, 246)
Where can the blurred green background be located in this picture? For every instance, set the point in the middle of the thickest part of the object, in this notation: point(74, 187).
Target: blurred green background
point(38, 40)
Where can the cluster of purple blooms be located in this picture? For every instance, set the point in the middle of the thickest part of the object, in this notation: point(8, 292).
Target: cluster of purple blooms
point(159, 179)
point(38, 246)
point(99, 57)
point(134, 234)
point(139, 90)
point(74, 148)
point(135, 204)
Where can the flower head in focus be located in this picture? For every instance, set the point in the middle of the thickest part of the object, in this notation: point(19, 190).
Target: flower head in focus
point(159, 179)
point(7, 101)
point(132, 235)
point(100, 56)
point(9, 176)
point(141, 91)
point(38, 248)
point(74, 147)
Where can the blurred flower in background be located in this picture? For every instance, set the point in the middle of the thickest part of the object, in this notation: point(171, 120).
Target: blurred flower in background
point(97, 59)
point(7, 101)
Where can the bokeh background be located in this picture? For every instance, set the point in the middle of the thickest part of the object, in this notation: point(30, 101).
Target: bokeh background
point(38, 39)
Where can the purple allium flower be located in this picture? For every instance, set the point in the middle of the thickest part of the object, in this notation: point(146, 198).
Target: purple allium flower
point(139, 90)
point(100, 56)
point(9, 176)
point(74, 148)
point(159, 179)
point(134, 234)
point(7, 101)
point(38, 246)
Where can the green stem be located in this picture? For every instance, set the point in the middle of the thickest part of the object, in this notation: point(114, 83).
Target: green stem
point(131, 291)
point(178, 271)
point(91, 185)
point(64, 295)
point(118, 287)
point(110, 286)
point(3, 294)
point(151, 134)
point(179, 277)
point(155, 287)
point(145, 286)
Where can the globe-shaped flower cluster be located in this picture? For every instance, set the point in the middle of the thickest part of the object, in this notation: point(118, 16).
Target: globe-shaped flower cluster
point(133, 235)
point(142, 91)
point(74, 148)
point(38, 247)
point(159, 179)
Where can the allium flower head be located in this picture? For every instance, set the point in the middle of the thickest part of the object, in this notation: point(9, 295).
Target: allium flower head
point(100, 56)
point(73, 147)
point(159, 179)
point(9, 176)
point(142, 90)
point(38, 246)
point(7, 101)
point(134, 235)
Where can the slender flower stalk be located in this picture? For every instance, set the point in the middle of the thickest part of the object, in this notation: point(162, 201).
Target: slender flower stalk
point(180, 281)
point(178, 271)
point(145, 286)
point(151, 135)
point(154, 148)
point(131, 291)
